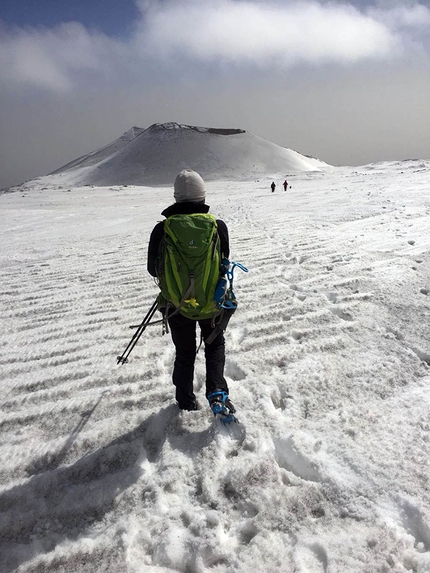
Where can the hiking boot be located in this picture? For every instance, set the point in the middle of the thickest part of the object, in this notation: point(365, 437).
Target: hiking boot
point(220, 403)
point(189, 406)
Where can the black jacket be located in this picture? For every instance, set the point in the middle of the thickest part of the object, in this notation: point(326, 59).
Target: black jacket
point(182, 209)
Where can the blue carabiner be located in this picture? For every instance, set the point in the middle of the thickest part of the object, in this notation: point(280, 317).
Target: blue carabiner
point(240, 266)
point(230, 272)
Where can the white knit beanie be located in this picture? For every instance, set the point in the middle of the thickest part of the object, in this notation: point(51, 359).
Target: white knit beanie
point(189, 186)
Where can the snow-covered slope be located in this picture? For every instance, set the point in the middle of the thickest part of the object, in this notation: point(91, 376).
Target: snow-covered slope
point(96, 157)
point(328, 363)
point(154, 156)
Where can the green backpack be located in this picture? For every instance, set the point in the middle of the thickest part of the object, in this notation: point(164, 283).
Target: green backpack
point(189, 265)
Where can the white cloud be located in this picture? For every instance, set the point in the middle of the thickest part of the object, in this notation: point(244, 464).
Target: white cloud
point(251, 32)
point(245, 34)
point(49, 58)
point(408, 22)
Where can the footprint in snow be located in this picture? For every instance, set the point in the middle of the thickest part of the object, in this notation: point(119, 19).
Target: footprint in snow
point(341, 314)
point(311, 558)
point(234, 371)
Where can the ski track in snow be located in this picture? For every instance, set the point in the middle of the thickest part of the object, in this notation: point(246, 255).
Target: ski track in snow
point(328, 364)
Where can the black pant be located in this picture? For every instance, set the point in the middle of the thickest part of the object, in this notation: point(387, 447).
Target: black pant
point(184, 338)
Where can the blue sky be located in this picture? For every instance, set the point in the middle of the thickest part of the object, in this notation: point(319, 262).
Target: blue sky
point(113, 17)
point(347, 82)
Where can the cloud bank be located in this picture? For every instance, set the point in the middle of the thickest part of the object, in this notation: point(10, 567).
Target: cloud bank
point(243, 34)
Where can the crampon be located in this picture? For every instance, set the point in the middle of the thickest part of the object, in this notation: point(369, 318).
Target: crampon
point(222, 407)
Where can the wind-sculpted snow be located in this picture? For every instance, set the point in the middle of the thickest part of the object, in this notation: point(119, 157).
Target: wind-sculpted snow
point(327, 363)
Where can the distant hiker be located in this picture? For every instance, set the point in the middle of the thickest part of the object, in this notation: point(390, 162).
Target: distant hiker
point(273, 186)
point(189, 224)
point(285, 184)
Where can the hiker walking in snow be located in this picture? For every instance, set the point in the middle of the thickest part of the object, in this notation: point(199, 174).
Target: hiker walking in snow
point(285, 184)
point(188, 217)
point(273, 186)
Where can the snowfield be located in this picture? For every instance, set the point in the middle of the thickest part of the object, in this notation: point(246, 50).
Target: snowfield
point(328, 363)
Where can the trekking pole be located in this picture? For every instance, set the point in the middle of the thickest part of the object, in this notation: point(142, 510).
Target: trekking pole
point(140, 328)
